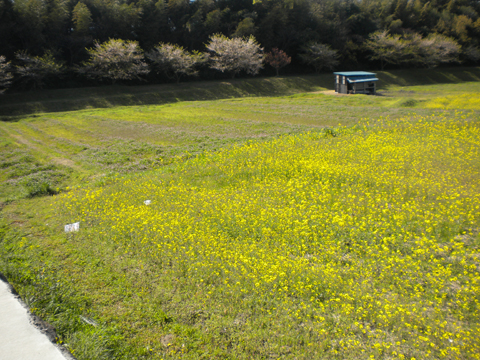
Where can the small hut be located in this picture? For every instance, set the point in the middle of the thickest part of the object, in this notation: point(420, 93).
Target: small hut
point(355, 82)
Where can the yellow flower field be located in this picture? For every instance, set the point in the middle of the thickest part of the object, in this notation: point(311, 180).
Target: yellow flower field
point(462, 101)
point(360, 245)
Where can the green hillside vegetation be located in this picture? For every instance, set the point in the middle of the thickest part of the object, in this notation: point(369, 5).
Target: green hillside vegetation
point(285, 221)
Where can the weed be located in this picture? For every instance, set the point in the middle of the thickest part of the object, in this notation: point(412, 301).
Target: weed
point(409, 103)
point(38, 186)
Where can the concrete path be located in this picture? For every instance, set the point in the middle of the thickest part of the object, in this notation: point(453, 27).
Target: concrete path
point(20, 339)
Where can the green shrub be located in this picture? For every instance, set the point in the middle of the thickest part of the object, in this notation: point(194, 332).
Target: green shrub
point(38, 186)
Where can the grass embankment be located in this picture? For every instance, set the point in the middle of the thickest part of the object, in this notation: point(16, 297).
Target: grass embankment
point(112, 96)
point(118, 95)
point(285, 242)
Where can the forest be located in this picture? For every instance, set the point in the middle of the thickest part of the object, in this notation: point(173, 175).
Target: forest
point(60, 36)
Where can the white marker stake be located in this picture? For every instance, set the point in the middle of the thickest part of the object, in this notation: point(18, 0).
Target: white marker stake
point(72, 227)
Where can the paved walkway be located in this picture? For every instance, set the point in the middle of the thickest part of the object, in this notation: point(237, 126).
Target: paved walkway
point(20, 339)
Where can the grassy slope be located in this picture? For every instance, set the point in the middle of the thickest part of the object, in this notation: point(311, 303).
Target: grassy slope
point(118, 95)
point(74, 148)
point(109, 96)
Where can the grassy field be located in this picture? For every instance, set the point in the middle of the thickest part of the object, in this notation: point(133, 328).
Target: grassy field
point(299, 226)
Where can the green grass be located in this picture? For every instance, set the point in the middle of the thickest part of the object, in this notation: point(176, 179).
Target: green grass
point(379, 198)
point(12, 105)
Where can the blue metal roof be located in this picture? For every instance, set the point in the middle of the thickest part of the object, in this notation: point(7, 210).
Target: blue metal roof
point(354, 73)
point(362, 80)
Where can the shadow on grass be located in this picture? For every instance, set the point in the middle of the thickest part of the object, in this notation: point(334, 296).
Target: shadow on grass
point(413, 77)
point(14, 105)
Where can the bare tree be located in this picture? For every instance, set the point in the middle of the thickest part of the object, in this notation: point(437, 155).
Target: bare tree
point(5, 74)
point(320, 56)
point(277, 59)
point(235, 55)
point(115, 59)
point(175, 61)
point(35, 70)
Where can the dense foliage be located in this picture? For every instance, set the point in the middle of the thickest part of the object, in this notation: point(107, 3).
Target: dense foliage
point(68, 28)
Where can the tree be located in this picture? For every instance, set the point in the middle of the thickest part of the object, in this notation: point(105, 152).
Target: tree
point(8, 28)
point(56, 22)
point(320, 56)
point(235, 55)
point(389, 49)
point(461, 24)
point(175, 61)
point(471, 54)
point(114, 19)
point(213, 21)
point(246, 27)
point(277, 59)
point(154, 26)
point(35, 70)
point(5, 74)
point(438, 49)
point(82, 18)
point(412, 49)
point(115, 59)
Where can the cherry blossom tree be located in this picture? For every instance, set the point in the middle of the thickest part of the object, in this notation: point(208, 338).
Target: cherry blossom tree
point(235, 55)
point(413, 49)
point(438, 49)
point(175, 61)
point(35, 70)
point(115, 59)
point(389, 49)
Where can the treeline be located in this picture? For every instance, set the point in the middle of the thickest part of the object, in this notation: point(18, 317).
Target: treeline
point(360, 33)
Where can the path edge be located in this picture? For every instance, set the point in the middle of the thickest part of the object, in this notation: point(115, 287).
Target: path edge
point(44, 327)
